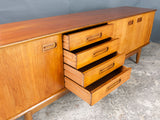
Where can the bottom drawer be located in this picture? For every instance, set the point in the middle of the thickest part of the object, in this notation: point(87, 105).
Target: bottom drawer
point(99, 89)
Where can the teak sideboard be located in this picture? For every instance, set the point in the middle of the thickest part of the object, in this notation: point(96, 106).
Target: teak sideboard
point(42, 59)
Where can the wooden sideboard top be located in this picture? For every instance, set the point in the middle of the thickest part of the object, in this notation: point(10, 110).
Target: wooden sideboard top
point(24, 30)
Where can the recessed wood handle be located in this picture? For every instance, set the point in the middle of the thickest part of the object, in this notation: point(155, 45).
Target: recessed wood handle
point(49, 46)
point(131, 22)
point(107, 68)
point(114, 84)
point(139, 19)
point(100, 51)
point(93, 37)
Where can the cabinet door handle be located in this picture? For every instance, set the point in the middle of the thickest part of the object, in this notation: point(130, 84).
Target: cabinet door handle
point(49, 46)
point(100, 51)
point(113, 85)
point(131, 22)
point(139, 19)
point(107, 68)
point(93, 37)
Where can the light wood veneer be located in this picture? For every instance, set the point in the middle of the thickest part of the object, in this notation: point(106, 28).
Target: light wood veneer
point(35, 55)
point(75, 40)
point(101, 88)
point(91, 73)
point(24, 30)
point(82, 57)
point(29, 75)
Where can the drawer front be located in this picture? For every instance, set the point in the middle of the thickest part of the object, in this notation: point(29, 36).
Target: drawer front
point(103, 69)
point(79, 39)
point(83, 58)
point(89, 76)
point(110, 85)
point(92, 96)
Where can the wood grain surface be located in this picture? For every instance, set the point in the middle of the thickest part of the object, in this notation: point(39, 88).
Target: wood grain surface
point(29, 75)
point(85, 57)
point(105, 86)
point(20, 31)
point(85, 77)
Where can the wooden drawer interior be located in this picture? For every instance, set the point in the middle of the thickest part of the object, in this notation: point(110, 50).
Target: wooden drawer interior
point(82, 37)
point(99, 89)
point(88, 54)
point(96, 70)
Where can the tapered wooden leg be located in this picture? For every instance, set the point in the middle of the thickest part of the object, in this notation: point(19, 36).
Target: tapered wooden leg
point(138, 56)
point(28, 116)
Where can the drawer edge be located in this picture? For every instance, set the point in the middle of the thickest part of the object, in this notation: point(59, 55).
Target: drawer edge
point(125, 75)
point(88, 81)
point(93, 96)
point(70, 58)
point(78, 90)
point(74, 74)
point(70, 38)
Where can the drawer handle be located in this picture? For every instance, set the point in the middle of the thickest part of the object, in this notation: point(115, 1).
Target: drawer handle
point(113, 85)
point(131, 22)
point(49, 46)
point(107, 68)
point(93, 37)
point(100, 51)
point(139, 19)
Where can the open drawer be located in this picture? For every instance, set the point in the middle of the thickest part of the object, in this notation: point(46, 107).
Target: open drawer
point(86, 55)
point(96, 70)
point(76, 39)
point(96, 91)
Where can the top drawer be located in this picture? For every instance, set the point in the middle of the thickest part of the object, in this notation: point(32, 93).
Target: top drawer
point(77, 39)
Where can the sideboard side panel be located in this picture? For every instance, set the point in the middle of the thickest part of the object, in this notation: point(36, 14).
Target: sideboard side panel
point(29, 73)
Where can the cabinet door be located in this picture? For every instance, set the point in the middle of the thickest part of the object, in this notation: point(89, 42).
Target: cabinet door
point(29, 73)
point(133, 32)
point(138, 31)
